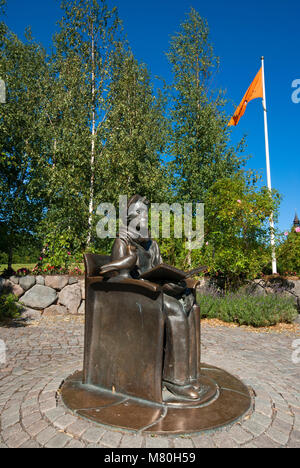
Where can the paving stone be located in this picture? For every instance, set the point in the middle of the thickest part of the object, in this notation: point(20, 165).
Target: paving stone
point(203, 441)
point(7, 433)
point(265, 442)
point(250, 445)
point(55, 413)
point(75, 444)
point(282, 426)
point(261, 419)
point(32, 418)
point(293, 444)
point(93, 435)
point(59, 441)
point(16, 440)
point(94, 446)
point(10, 419)
point(132, 441)
point(183, 442)
point(30, 444)
point(296, 435)
point(64, 421)
point(111, 439)
point(286, 417)
point(78, 427)
point(239, 435)
point(252, 426)
point(48, 405)
point(47, 434)
point(28, 410)
point(157, 442)
point(277, 436)
point(37, 427)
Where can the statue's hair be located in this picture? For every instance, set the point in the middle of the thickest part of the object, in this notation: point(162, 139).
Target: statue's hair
point(136, 198)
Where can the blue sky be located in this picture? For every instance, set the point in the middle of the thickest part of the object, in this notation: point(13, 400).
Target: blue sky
point(241, 33)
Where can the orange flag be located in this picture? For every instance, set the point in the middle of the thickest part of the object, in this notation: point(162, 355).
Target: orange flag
point(254, 91)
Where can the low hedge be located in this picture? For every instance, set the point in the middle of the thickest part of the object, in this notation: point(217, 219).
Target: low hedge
point(257, 311)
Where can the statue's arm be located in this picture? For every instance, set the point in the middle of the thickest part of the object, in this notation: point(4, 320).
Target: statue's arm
point(119, 250)
point(123, 257)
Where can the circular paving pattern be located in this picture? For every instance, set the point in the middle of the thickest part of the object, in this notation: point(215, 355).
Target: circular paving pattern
point(41, 355)
point(227, 400)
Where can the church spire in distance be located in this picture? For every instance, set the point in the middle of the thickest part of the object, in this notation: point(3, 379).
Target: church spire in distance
point(296, 221)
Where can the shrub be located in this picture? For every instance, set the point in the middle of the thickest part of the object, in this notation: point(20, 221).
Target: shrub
point(237, 231)
point(259, 311)
point(8, 306)
point(23, 272)
point(289, 253)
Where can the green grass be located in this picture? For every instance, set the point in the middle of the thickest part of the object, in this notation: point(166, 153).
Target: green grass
point(17, 266)
point(30, 266)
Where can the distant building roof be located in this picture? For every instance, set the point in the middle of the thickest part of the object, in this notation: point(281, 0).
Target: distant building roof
point(296, 220)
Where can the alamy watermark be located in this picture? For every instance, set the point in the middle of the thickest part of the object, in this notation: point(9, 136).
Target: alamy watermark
point(2, 92)
point(296, 353)
point(2, 352)
point(184, 220)
point(296, 93)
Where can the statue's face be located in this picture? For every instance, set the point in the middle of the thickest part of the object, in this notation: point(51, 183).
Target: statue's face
point(138, 218)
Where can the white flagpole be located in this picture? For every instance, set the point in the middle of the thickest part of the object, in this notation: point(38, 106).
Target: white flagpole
point(274, 262)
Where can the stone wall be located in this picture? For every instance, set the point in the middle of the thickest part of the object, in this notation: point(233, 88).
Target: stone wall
point(48, 295)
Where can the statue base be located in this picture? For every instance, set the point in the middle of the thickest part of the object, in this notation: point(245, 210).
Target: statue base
point(223, 400)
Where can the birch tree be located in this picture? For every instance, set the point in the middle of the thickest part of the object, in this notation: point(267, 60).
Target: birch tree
point(87, 35)
point(136, 131)
point(200, 138)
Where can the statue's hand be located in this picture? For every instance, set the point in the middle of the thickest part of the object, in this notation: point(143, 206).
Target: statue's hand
point(107, 269)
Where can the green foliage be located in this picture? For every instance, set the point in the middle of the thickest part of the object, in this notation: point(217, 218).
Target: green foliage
point(21, 67)
point(60, 253)
point(199, 141)
point(260, 311)
point(237, 230)
point(289, 253)
point(8, 307)
point(85, 124)
point(136, 132)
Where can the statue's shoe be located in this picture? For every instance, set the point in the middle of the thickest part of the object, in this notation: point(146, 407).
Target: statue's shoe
point(187, 392)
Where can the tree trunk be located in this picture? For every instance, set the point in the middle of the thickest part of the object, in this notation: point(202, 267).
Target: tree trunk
point(10, 258)
point(92, 180)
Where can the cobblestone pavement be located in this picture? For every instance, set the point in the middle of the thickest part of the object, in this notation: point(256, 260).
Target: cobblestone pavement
point(40, 356)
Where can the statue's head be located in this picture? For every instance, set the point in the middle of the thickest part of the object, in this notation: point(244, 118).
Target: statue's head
point(137, 220)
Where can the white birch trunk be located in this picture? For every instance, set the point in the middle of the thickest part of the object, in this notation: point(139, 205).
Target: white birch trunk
point(92, 180)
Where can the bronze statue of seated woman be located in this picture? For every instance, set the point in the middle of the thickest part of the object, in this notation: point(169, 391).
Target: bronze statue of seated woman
point(132, 257)
point(141, 367)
